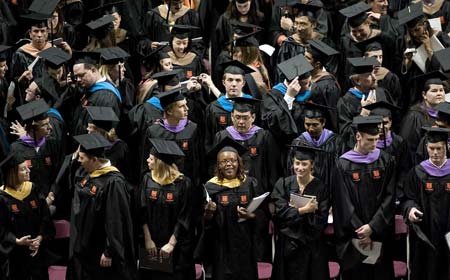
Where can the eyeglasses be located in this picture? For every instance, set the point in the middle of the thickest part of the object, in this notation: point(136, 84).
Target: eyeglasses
point(241, 118)
point(226, 161)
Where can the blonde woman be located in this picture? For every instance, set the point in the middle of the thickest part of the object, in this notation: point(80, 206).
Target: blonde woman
point(166, 212)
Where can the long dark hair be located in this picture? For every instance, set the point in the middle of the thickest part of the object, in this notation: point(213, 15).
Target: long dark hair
point(233, 13)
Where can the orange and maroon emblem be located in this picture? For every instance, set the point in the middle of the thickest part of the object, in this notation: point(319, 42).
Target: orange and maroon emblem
point(169, 196)
point(14, 208)
point(224, 200)
point(33, 204)
point(93, 190)
point(185, 145)
point(376, 174)
point(429, 187)
point(355, 176)
point(222, 120)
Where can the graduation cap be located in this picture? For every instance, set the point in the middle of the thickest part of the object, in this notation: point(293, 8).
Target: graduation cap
point(443, 112)
point(356, 14)
point(308, 9)
point(314, 110)
point(168, 97)
point(368, 124)
point(102, 117)
point(33, 111)
point(245, 104)
point(182, 31)
point(321, 51)
point(296, 66)
point(382, 108)
point(436, 134)
point(44, 7)
point(369, 45)
point(54, 57)
point(304, 151)
point(10, 162)
point(167, 151)
point(86, 57)
point(236, 67)
point(443, 57)
point(155, 56)
point(109, 8)
point(169, 78)
point(411, 15)
point(362, 65)
point(247, 40)
point(244, 28)
point(227, 145)
point(431, 78)
point(36, 19)
point(101, 27)
point(4, 52)
point(93, 144)
point(283, 3)
point(112, 55)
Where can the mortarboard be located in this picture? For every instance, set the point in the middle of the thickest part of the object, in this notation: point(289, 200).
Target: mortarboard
point(443, 57)
point(102, 117)
point(362, 65)
point(247, 40)
point(182, 31)
point(4, 52)
point(44, 7)
point(382, 108)
point(86, 57)
point(314, 110)
point(245, 104)
point(321, 51)
point(308, 9)
point(236, 67)
point(155, 56)
point(296, 66)
point(101, 27)
point(167, 151)
point(36, 19)
point(112, 55)
point(368, 124)
point(431, 78)
point(304, 151)
point(436, 134)
point(411, 15)
point(372, 44)
point(356, 14)
point(244, 28)
point(11, 161)
point(109, 8)
point(443, 112)
point(168, 97)
point(227, 145)
point(93, 144)
point(33, 111)
point(169, 78)
point(54, 57)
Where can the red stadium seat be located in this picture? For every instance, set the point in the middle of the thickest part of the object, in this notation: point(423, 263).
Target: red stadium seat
point(264, 270)
point(335, 270)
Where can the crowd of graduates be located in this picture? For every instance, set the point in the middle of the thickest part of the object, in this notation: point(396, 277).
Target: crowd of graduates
point(153, 127)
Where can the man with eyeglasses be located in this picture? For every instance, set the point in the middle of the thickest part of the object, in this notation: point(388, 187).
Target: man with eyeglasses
point(262, 160)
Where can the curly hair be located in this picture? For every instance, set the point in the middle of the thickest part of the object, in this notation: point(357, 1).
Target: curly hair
point(240, 174)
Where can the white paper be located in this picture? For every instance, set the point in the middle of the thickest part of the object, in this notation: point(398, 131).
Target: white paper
point(208, 198)
point(196, 39)
point(330, 218)
point(435, 23)
point(371, 254)
point(31, 66)
point(11, 88)
point(447, 238)
point(300, 200)
point(268, 49)
point(421, 56)
point(254, 204)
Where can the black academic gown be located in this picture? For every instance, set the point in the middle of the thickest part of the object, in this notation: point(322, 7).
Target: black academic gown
point(429, 194)
point(300, 252)
point(324, 162)
point(188, 139)
point(119, 155)
point(348, 107)
point(43, 164)
point(391, 83)
point(192, 67)
point(277, 117)
point(155, 30)
point(411, 127)
point(326, 91)
point(21, 217)
point(101, 224)
point(364, 194)
point(230, 245)
point(217, 119)
point(166, 211)
point(140, 117)
point(101, 97)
